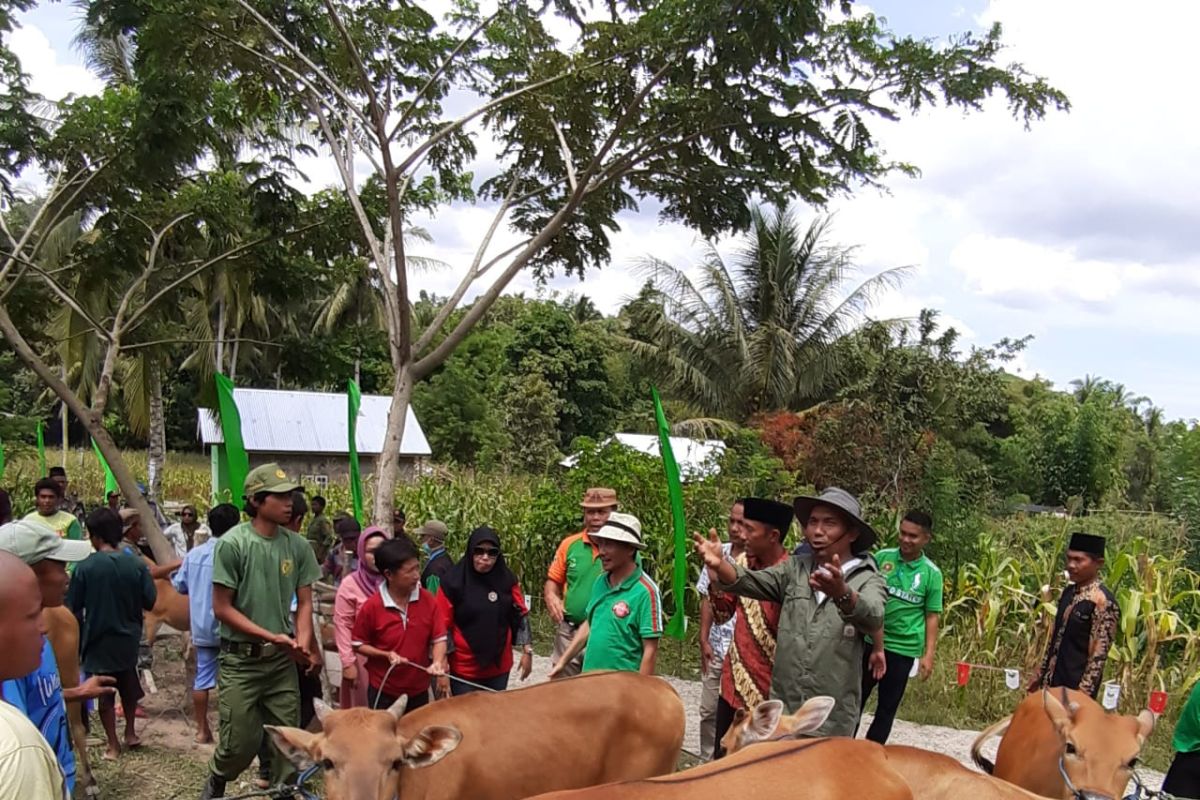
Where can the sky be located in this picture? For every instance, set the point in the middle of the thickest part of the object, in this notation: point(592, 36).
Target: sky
point(1080, 231)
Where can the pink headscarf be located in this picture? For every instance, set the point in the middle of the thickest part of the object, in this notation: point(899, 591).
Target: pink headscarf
point(368, 580)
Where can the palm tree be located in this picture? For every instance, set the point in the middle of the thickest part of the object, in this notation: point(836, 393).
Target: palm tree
point(759, 333)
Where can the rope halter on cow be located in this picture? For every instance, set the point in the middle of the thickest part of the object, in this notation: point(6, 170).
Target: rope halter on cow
point(1140, 792)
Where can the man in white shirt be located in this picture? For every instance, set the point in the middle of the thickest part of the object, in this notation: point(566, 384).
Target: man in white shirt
point(28, 767)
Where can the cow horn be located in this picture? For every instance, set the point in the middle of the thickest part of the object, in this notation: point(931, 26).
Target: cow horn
point(396, 709)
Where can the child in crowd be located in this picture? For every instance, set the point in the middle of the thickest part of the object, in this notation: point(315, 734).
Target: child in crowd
point(109, 593)
point(399, 630)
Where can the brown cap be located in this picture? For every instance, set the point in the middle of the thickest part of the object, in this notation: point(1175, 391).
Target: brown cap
point(129, 517)
point(599, 498)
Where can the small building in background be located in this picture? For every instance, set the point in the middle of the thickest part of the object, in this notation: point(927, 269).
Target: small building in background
point(697, 458)
point(307, 433)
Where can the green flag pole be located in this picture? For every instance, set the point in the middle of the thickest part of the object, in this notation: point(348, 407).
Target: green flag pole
point(237, 463)
point(110, 480)
point(41, 444)
point(354, 400)
point(677, 627)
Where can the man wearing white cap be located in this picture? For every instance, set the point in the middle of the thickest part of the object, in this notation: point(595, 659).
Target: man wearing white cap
point(39, 695)
point(624, 616)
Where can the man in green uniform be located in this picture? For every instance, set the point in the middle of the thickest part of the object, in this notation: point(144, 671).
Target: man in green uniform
point(623, 621)
point(830, 599)
point(320, 529)
point(258, 567)
point(47, 494)
point(1183, 778)
point(573, 573)
point(910, 622)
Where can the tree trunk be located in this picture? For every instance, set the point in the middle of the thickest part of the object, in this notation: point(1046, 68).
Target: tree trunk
point(233, 357)
point(158, 431)
point(93, 422)
point(221, 335)
point(387, 469)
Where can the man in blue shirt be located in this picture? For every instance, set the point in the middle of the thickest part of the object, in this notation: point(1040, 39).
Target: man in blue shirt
point(40, 695)
point(194, 579)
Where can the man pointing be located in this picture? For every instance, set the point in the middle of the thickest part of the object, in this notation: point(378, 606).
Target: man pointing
point(830, 599)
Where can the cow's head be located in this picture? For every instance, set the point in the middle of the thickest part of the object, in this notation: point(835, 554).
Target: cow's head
point(362, 751)
point(767, 721)
point(1100, 750)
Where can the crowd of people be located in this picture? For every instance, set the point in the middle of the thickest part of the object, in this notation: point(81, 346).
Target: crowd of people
point(835, 616)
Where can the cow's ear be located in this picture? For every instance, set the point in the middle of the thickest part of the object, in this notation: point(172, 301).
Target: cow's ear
point(812, 715)
point(764, 720)
point(1145, 722)
point(431, 745)
point(1061, 715)
point(297, 746)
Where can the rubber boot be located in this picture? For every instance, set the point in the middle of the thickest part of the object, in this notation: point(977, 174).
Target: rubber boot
point(214, 787)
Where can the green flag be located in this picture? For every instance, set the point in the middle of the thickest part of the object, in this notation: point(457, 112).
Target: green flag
point(677, 627)
point(110, 482)
point(237, 463)
point(354, 400)
point(41, 451)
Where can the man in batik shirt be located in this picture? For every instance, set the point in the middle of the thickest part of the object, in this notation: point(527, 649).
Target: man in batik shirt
point(1084, 625)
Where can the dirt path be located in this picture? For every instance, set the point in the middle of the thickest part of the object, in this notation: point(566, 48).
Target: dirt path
point(171, 765)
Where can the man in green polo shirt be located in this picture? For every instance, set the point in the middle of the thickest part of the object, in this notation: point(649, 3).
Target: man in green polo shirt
point(258, 567)
point(1183, 778)
point(623, 622)
point(573, 573)
point(910, 620)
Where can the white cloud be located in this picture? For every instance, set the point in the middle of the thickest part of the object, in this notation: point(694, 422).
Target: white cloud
point(48, 75)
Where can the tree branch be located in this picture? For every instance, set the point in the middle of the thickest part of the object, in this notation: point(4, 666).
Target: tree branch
point(298, 53)
point(441, 70)
point(568, 159)
point(472, 274)
point(226, 256)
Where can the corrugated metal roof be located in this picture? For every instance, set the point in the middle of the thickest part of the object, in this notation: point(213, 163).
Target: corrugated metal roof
point(277, 421)
point(692, 455)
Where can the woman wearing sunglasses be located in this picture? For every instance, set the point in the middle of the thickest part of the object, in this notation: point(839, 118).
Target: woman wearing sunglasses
point(486, 616)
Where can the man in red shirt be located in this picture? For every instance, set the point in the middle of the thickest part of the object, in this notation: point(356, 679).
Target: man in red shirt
point(746, 671)
point(399, 630)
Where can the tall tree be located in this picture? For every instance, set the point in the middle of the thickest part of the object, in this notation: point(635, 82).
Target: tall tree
point(760, 333)
point(694, 105)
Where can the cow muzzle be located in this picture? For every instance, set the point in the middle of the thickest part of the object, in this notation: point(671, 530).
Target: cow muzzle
point(1139, 791)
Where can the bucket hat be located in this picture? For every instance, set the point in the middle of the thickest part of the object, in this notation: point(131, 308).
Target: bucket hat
point(846, 503)
point(622, 528)
point(599, 497)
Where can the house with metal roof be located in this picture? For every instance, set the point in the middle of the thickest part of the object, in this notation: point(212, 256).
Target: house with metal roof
point(307, 433)
point(697, 458)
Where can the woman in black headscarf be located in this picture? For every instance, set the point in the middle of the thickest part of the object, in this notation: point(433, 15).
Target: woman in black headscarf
point(486, 616)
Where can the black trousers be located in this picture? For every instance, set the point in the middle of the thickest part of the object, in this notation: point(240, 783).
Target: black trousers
point(1183, 778)
point(891, 692)
point(382, 702)
point(724, 722)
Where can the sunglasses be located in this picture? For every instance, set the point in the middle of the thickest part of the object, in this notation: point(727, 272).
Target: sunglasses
point(490, 552)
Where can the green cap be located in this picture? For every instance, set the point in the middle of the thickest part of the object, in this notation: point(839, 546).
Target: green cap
point(269, 478)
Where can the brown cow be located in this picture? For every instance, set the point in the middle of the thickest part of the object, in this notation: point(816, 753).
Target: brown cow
point(818, 769)
point(595, 728)
point(170, 607)
point(1063, 730)
point(931, 776)
point(63, 631)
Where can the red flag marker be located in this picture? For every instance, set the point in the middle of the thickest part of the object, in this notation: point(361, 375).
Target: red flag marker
point(1158, 702)
point(964, 673)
